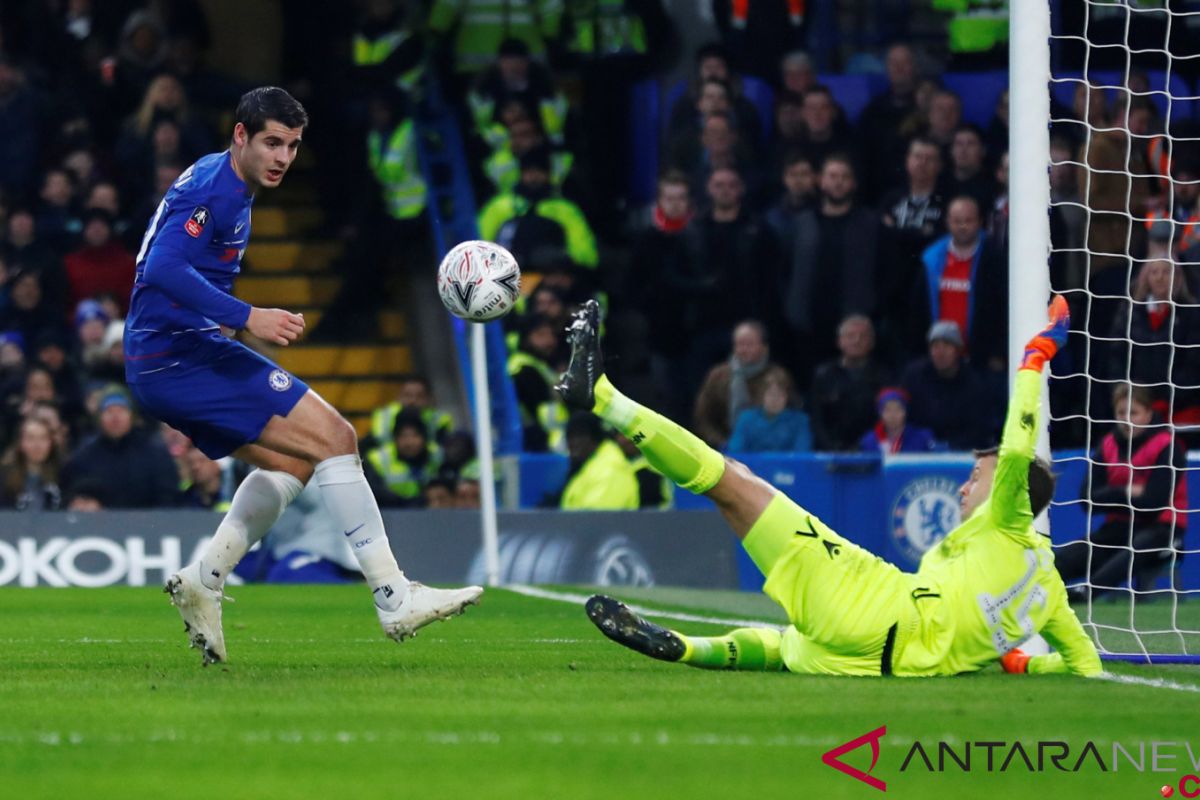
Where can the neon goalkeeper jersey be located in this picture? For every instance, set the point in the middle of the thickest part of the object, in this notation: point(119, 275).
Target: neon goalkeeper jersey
point(991, 583)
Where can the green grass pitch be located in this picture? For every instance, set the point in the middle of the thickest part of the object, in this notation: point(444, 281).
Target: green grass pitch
point(520, 698)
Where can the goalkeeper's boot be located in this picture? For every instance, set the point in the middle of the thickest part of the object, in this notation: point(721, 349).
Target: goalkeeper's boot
point(620, 623)
point(200, 608)
point(578, 384)
point(424, 605)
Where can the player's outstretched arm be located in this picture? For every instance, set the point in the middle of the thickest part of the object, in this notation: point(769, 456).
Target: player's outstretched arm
point(1010, 489)
point(1075, 654)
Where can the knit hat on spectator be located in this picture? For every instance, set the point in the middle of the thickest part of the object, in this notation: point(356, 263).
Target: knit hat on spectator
point(890, 393)
point(88, 310)
point(15, 338)
point(114, 397)
point(945, 330)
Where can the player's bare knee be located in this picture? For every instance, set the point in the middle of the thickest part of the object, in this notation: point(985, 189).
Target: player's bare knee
point(343, 439)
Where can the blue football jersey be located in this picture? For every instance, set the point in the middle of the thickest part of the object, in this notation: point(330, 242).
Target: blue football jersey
point(189, 257)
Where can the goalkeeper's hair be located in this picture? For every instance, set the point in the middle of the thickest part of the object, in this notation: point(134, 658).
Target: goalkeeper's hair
point(1041, 480)
point(267, 103)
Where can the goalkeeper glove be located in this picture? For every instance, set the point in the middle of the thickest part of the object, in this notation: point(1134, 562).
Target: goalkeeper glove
point(1015, 661)
point(1041, 348)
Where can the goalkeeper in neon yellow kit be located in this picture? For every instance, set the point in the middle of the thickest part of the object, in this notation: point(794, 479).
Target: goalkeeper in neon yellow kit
point(981, 592)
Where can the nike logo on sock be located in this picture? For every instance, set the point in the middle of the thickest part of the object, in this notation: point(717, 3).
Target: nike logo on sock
point(352, 530)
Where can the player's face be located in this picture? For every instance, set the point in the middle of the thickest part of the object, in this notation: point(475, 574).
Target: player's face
point(264, 158)
point(973, 493)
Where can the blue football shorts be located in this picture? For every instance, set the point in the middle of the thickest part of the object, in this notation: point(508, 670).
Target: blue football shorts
point(221, 395)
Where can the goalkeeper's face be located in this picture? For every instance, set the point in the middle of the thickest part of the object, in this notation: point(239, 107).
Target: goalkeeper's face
point(978, 487)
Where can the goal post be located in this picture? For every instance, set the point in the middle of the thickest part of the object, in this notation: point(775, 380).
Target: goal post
point(1125, 185)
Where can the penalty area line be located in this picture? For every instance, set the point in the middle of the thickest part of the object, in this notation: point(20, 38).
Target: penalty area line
point(580, 599)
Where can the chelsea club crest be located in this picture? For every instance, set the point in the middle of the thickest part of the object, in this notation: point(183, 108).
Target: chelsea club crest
point(924, 512)
point(280, 381)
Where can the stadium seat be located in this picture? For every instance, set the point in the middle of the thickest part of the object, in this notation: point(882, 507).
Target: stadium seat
point(852, 92)
point(1182, 100)
point(644, 133)
point(979, 91)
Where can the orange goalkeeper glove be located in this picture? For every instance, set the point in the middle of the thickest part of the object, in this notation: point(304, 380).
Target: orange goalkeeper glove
point(1041, 348)
point(1015, 661)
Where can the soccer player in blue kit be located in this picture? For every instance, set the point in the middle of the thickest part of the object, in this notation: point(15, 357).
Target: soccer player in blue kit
point(184, 370)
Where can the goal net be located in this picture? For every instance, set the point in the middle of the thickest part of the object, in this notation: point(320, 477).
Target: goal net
point(1124, 397)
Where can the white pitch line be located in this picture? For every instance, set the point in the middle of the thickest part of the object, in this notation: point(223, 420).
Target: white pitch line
point(1154, 683)
point(580, 599)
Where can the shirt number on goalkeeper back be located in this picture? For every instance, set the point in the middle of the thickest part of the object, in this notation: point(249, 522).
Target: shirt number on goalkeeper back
point(993, 607)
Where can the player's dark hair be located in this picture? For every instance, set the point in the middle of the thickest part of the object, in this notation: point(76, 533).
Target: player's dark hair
point(1041, 480)
point(267, 103)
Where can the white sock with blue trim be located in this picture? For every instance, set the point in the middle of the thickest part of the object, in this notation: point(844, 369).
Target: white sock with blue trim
point(349, 501)
point(255, 506)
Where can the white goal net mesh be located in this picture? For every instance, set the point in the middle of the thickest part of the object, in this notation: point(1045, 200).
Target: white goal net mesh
point(1125, 251)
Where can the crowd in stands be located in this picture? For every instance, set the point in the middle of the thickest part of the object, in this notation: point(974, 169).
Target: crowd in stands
point(804, 279)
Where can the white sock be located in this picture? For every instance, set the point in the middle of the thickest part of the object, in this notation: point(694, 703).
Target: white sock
point(349, 501)
point(256, 505)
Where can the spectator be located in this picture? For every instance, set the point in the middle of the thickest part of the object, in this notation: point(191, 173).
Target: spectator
point(599, 477)
point(789, 128)
point(1116, 194)
point(737, 384)
point(479, 29)
point(879, 137)
point(730, 275)
point(542, 413)
point(136, 150)
point(49, 414)
point(416, 395)
point(654, 489)
point(24, 251)
point(1152, 341)
point(467, 493)
point(388, 48)
point(1068, 219)
point(832, 265)
point(104, 196)
point(102, 264)
point(52, 351)
point(401, 466)
point(30, 470)
point(892, 434)
point(524, 135)
point(761, 35)
point(1182, 211)
point(143, 50)
point(997, 223)
point(996, 137)
point(800, 191)
point(130, 463)
point(968, 172)
point(797, 73)
point(58, 223)
point(19, 130)
point(773, 427)
point(825, 129)
point(1136, 484)
point(943, 120)
point(965, 281)
point(458, 456)
point(712, 63)
point(86, 496)
point(439, 493)
point(719, 147)
point(844, 388)
point(108, 362)
point(948, 397)
point(660, 259)
point(12, 358)
point(91, 322)
point(515, 78)
point(913, 217)
point(533, 216)
point(206, 486)
point(29, 311)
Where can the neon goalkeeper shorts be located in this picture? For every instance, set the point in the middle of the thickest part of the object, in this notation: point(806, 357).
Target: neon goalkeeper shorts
point(846, 605)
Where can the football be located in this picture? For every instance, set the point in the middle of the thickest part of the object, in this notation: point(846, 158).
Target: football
point(479, 281)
